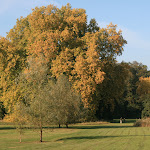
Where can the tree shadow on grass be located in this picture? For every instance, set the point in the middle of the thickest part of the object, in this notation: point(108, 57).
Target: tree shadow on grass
point(98, 127)
point(90, 127)
point(85, 137)
point(73, 127)
point(96, 137)
point(7, 128)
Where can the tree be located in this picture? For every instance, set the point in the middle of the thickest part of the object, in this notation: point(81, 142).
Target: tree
point(146, 105)
point(40, 111)
point(84, 64)
point(143, 91)
point(67, 103)
point(68, 44)
point(37, 94)
point(110, 93)
point(20, 118)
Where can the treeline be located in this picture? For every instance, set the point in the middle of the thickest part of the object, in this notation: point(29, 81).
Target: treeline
point(64, 43)
point(119, 95)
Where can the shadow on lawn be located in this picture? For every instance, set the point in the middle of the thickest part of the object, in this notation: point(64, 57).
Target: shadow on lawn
point(7, 128)
point(86, 137)
point(71, 127)
point(96, 137)
point(98, 127)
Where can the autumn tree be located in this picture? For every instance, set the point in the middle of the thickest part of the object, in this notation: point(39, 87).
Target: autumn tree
point(69, 46)
point(85, 73)
point(11, 64)
point(143, 86)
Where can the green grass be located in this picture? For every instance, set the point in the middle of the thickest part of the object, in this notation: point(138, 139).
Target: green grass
point(90, 136)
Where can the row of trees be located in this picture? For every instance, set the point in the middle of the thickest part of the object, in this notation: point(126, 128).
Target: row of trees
point(119, 93)
point(50, 42)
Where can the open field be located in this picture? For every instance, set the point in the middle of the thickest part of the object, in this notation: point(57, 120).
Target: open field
point(90, 136)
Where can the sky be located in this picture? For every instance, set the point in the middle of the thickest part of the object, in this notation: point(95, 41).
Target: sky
point(131, 16)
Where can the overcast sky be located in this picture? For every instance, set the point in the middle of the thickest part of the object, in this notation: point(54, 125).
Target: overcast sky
point(131, 16)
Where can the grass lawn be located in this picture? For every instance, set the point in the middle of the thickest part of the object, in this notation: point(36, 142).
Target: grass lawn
point(89, 136)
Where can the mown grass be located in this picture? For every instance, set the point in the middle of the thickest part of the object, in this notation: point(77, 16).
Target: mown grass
point(90, 136)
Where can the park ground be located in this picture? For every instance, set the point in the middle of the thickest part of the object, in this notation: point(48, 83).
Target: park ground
point(84, 136)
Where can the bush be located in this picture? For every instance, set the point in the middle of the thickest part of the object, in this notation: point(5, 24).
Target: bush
point(142, 123)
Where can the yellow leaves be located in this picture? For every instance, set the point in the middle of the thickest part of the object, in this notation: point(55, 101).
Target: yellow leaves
point(115, 36)
point(7, 55)
point(143, 86)
point(18, 116)
point(9, 98)
point(63, 63)
point(66, 35)
point(62, 39)
point(147, 79)
point(46, 44)
point(88, 70)
point(112, 26)
point(99, 77)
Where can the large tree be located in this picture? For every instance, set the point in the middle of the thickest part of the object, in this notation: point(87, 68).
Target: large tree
point(68, 44)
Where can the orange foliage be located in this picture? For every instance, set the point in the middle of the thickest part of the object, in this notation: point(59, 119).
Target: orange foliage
point(62, 38)
point(143, 86)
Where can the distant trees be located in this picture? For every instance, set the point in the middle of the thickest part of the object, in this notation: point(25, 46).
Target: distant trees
point(146, 106)
point(118, 95)
point(143, 90)
point(110, 93)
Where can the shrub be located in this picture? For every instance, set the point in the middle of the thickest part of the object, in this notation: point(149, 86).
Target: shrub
point(142, 123)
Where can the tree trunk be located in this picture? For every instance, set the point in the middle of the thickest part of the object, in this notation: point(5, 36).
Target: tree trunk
point(59, 125)
point(20, 138)
point(66, 125)
point(41, 135)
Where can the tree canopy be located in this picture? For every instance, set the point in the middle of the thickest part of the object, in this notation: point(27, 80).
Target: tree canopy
point(68, 44)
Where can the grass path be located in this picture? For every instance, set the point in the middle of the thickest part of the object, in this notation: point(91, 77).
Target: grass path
point(112, 136)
